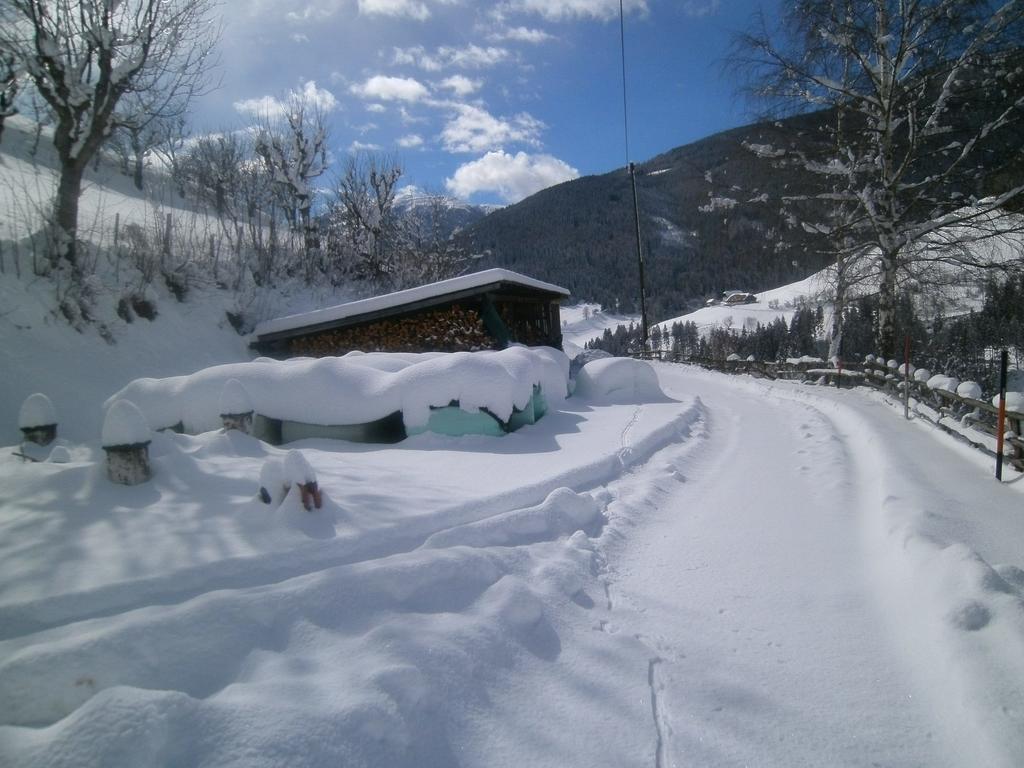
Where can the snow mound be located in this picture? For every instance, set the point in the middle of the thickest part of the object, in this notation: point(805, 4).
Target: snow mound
point(939, 381)
point(971, 389)
point(922, 375)
point(37, 411)
point(297, 470)
point(60, 455)
point(585, 357)
point(358, 388)
point(562, 513)
point(124, 424)
point(619, 379)
point(1014, 401)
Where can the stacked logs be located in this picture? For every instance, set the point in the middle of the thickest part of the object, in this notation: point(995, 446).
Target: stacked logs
point(452, 329)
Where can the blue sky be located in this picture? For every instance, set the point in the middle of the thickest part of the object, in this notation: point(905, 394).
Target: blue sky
point(488, 101)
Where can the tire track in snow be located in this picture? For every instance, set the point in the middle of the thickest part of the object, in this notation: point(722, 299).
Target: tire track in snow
point(659, 750)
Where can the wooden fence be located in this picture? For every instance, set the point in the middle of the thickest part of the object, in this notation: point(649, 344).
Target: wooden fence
point(974, 421)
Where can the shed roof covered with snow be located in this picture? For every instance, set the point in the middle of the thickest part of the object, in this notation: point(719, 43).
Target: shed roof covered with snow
point(482, 310)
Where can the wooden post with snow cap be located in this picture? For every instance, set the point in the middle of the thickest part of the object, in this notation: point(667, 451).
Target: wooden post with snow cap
point(126, 438)
point(1004, 364)
point(37, 419)
point(236, 411)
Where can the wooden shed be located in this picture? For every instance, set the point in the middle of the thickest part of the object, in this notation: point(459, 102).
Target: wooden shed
point(484, 310)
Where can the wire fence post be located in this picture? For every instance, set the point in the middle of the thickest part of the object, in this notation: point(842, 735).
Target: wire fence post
point(1004, 363)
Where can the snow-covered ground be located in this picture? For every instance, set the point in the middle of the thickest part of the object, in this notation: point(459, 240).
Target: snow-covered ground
point(739, 573)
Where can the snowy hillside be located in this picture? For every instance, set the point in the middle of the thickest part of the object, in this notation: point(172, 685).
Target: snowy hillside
point(584, 322)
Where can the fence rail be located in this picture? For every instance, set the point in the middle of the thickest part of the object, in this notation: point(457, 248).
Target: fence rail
point(974, 421)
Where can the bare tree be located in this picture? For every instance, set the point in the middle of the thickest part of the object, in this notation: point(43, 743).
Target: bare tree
point(10, 75)
point(928, 100)
point(430, 253)
point(84, 58)
point(364, 214)
point(293, 148)
point(139, 134)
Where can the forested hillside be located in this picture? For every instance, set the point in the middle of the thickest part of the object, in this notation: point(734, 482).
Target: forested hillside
point(717, 214)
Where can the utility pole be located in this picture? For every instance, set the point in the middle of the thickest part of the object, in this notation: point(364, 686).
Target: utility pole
point(640, 263)
point(632, 181)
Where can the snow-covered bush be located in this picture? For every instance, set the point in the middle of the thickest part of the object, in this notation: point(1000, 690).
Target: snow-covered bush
point(619, 379)
point(922, 375)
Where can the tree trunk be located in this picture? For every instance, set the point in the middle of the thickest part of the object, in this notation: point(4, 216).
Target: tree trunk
point(139, 165)
point(65, 214)
point(887, 306)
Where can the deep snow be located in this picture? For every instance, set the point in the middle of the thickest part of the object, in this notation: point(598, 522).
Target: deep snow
point(739, 573)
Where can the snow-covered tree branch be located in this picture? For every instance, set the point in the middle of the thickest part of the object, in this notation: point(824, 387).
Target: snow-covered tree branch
point(927, 97)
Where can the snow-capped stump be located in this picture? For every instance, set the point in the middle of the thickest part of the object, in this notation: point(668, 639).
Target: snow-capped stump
point(126, 437)
point(236, 411)
point(37, 419)
point(298, 471)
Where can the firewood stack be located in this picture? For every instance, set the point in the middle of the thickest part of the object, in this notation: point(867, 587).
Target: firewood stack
point(453, 329)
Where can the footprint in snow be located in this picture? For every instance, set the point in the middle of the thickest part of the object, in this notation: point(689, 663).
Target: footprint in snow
point(971, 616)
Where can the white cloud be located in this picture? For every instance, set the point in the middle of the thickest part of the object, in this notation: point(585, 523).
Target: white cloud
point(475, 129)
point(391, 89)
point(699, 8)
point(407, 8)
point(512, 177)
point(471, 56)
point(522, 35)
point(558, 10)
point(272, 106)
point(358, 146)
point(378, 108)
point(298, 37)
point(461, 85)
point(411, 141)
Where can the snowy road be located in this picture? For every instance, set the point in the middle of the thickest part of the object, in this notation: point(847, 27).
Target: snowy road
point(785, 596)
point(754, 574)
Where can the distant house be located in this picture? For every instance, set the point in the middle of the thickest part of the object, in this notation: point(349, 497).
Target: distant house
point(484, 310)
point(731, 299)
